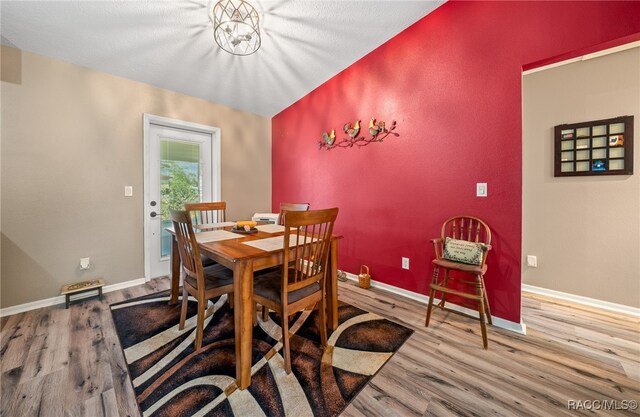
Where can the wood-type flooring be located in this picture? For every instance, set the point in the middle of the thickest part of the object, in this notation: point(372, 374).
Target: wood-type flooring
point(58, 362)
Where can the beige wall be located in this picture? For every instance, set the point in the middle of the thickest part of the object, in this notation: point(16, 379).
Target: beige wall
point(71, 140)
point(585, 231)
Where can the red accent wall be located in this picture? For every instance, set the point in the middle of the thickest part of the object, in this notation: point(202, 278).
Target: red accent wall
point(453, 83)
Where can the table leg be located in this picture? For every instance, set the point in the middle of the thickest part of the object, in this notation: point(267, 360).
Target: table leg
point(332, 287)
point(175, 271)
point(243, 320)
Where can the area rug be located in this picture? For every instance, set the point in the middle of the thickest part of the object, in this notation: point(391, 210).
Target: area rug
point(170, 379)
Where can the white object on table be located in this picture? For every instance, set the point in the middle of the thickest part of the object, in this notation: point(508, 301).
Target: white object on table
point(265, 217)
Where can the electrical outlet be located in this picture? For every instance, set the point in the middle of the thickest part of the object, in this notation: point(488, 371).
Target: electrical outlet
point(85, 263)
point(532, 261)
point(128, 191)
point(405, 263)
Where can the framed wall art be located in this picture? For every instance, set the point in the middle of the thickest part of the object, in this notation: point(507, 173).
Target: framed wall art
point(599, 147)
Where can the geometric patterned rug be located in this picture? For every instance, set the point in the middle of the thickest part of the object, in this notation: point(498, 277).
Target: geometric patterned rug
point(170, 379)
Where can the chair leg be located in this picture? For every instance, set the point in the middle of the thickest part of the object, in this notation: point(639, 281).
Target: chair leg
point(200, 325)
point(432, 294)
point(445, 283)
point(483, 326)
point(254, 314)
point(265, 313)
point(482, 311)
point(285, 340)
point(486, 301)
point(323, 322)
point(429, 307)
point(183, 310)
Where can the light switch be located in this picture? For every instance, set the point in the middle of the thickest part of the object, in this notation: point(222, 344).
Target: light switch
point(481, 189)
point(128, 191)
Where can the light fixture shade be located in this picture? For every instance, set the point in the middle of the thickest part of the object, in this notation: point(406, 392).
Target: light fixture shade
point(236, 26)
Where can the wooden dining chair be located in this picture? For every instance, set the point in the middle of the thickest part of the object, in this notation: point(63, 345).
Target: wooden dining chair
point(300, 283)
point(198, 281)
point(207, 212)
point(284, 207)
point(462, 249)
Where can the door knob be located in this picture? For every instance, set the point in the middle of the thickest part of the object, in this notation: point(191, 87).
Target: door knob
point(153, 204)
point(153, 214)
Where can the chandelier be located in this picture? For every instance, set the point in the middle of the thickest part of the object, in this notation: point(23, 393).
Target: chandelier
point(235, 26)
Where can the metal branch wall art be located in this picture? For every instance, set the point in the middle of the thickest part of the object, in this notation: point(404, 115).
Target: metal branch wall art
point(377, 130)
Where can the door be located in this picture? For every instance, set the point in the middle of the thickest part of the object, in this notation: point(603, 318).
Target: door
point(180, 167)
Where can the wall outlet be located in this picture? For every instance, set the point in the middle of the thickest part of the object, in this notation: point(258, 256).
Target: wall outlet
point(128, 191)
point(405, 263)
point(481, 189)
point(532, 261)
point(85, 263)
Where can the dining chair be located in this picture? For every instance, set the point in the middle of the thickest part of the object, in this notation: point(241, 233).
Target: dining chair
point(207, 212)
point(462, 249)
point(201, 282)
point(300, 282)
point(284, 207)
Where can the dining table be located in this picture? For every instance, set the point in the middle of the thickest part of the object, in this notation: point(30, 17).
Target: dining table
point(246, 254)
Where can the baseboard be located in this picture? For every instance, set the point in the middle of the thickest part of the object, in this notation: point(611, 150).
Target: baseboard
point(578, 299)
point(519, 328)
point(47, 302)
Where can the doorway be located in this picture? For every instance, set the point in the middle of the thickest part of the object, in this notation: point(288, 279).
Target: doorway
point(592, 257)
point(182, 164)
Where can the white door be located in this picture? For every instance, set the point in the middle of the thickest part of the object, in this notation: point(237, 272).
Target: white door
point(181, 165)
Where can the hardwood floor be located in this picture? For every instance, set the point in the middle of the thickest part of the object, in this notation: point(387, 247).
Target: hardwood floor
point(58, 362)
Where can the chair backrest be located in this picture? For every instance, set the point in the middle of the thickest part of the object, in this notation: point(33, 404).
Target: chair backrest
point(468, 228)
point(284, 207)
point(306, 263)
point(187, 246)
point(207, 213)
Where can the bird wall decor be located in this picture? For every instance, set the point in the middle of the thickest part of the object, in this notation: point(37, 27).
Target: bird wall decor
point(377, 130)
point(329, 138)
point(352, 129)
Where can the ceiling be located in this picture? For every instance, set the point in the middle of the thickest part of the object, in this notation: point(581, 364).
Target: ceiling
point(170, 44)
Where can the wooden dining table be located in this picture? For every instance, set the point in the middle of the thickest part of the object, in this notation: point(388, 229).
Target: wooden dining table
point(244, 260)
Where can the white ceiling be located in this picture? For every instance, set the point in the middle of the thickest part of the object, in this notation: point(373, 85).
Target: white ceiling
point(170, 44)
